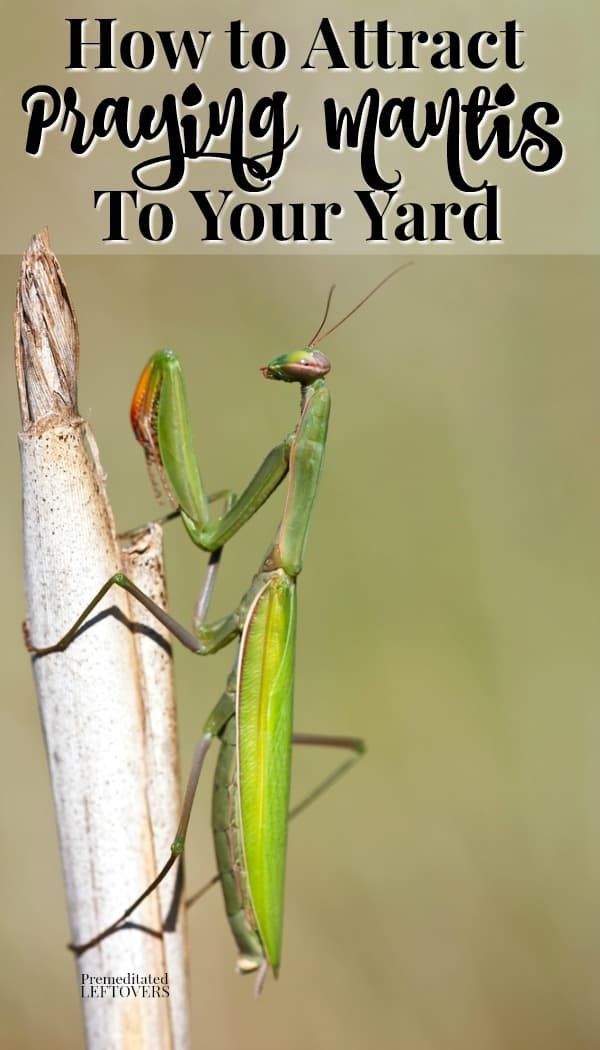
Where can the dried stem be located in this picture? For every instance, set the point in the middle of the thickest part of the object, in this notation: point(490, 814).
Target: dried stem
point(112, 755)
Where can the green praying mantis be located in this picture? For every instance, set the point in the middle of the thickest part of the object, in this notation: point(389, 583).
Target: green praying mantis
point(253, 717)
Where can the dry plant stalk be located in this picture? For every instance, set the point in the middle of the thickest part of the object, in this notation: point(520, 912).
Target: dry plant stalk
point(106, 702)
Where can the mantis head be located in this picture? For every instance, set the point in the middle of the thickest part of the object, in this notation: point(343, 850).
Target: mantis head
point(306, 366)
point(301, 366)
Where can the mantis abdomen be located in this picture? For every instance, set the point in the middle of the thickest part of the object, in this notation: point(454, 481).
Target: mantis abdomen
point(229, 852)
point(252, 779)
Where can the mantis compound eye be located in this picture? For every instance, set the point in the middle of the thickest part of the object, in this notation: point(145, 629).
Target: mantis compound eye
point(301, 366)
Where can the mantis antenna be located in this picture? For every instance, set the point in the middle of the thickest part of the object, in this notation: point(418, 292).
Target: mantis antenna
point(313, 341)
point(318, 338)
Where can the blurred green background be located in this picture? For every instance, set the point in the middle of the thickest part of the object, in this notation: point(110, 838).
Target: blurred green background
point(444, 896)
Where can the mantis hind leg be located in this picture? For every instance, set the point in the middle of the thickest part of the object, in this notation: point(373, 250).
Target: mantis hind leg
point(214, 724)
point(348, 743)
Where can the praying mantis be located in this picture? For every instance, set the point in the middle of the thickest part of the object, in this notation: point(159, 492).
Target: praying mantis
point(253, 717)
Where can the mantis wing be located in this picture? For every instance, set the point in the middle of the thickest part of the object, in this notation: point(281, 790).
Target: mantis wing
point(264, 726)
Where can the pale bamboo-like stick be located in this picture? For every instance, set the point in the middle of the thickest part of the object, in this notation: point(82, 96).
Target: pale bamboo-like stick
point(143, 563)
point(90, 696)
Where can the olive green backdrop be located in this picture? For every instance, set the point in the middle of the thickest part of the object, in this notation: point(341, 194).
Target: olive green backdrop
point(444, 896)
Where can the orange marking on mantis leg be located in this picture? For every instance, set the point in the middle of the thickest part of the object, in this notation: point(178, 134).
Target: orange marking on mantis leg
point(143, 415)
point(143, 411)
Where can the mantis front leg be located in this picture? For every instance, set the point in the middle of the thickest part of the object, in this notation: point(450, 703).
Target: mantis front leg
point(160, 419)
point(161, 423)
